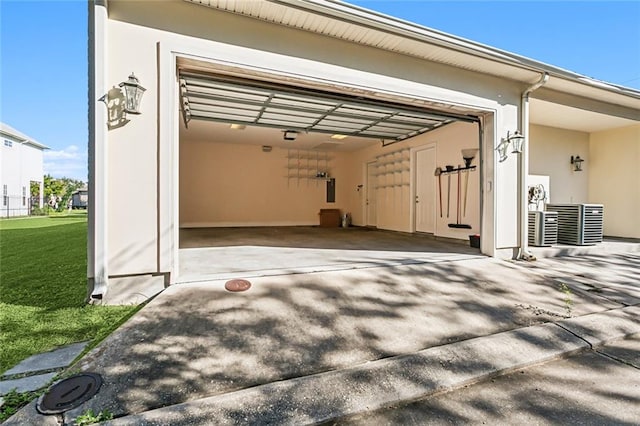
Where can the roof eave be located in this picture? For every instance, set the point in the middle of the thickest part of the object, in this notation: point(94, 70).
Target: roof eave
point(381, 22)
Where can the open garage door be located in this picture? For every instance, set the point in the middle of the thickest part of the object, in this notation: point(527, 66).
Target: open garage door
point(259, 162)
point(244, 102)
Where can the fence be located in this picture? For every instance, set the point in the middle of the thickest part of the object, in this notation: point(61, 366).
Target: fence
point(17, 205)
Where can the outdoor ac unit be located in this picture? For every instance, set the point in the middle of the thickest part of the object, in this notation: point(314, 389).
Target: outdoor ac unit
point(543, 228)
point(579, 224)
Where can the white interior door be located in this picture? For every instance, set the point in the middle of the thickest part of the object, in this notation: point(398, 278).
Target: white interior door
point(371, 208)
point(425, 201)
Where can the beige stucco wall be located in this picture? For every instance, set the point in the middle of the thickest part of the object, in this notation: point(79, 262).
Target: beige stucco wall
point(232, 184)
point(550, 154)
point(395, 203)
point(140, 193)
point(614, 179)
point(226, 184)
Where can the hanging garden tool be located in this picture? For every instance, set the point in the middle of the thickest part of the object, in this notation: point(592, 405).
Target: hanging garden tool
point(449, 170)
point(468, 155)
point(439, 174)
point(466, 190)
point(458, 210)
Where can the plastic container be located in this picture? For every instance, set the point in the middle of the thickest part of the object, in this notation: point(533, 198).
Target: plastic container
point(474, 240)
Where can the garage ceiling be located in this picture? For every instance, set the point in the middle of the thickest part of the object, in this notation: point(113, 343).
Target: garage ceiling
point(206, 97)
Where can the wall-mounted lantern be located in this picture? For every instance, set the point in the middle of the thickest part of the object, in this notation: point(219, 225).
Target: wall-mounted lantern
point(516, 140)
point(577, 163)
point(119, 102)
point(133, 92)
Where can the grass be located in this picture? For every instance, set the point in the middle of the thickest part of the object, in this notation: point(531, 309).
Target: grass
point(13, 401)
point(43, 286)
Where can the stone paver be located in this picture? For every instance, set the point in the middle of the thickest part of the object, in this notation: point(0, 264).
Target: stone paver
point(25, 384)
point(58, 358)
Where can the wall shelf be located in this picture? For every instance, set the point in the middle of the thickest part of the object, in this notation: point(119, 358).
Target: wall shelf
point(393, 169)
point(304, 165)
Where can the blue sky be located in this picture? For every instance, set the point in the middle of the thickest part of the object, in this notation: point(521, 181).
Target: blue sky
point(43, 54)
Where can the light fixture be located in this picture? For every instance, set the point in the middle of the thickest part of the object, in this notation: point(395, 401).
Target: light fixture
point(338, 137)
point(516, 140)
point(235, 126)
point(266, 148)
point(290, 135)
point(133, 92)
point(577, 162)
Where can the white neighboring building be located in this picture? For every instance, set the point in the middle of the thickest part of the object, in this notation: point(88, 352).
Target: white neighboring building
point(21, 162)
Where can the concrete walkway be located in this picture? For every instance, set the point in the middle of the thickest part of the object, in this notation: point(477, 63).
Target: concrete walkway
point(598, 387)
point(305, 348)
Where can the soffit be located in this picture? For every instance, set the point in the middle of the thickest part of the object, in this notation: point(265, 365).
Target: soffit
point(232, 100)
point(351, 23)
point(564, 117)
point(344, 28)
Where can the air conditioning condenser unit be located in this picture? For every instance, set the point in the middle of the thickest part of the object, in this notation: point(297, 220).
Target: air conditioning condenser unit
point(579, 224)
point(543, 228)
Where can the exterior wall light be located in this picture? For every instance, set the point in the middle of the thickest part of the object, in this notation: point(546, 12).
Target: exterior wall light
point(133, 92)
point(516, 140)
point(577, 162)
point(119, 102)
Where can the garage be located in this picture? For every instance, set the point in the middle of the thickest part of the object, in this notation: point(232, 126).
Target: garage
point(262, 164)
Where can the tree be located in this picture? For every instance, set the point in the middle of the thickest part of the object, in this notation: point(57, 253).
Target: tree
point(59, 190)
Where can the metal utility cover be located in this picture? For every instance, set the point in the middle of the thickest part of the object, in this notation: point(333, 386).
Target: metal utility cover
point(69, 393)
point(220, 99)
point(237, 285)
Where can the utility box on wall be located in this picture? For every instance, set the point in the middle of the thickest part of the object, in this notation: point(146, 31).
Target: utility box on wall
point(329, 218)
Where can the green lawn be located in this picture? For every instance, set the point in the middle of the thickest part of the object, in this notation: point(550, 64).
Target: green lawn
point(43, 285)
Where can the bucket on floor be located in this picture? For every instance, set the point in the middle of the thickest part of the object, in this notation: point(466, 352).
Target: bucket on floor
point(474, 240)
point(346, 220)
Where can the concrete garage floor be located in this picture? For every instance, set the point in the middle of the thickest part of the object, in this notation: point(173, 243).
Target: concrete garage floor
point(220, 253)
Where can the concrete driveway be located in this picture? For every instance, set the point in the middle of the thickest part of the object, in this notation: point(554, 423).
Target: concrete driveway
point(199, 345)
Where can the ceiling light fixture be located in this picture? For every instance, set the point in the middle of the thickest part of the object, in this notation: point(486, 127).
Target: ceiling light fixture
point(339, 137)
point(290, 135)
point(235, 126)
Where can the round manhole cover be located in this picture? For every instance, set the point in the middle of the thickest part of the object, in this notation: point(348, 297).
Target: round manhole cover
point(69, 393)
point(237, 285)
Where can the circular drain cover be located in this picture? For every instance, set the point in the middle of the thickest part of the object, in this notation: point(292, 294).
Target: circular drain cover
point(237, 285)
point(69, 393)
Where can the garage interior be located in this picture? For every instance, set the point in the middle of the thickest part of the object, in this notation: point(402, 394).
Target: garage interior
point(262, 165)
